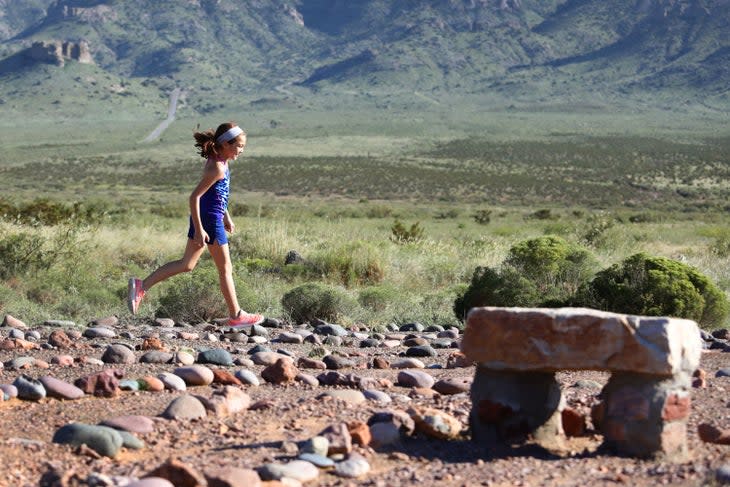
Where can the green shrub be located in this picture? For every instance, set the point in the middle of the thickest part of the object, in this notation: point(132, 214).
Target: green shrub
point(193, 296)
point(483, 216)
point(656, 286)
point(401, 234)
point(543, 272)
point(490, 287)
point(314, 300)
point(557, 267)
point(29, 251)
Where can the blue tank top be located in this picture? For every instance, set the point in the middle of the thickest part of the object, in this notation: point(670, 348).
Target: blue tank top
point(214, 202)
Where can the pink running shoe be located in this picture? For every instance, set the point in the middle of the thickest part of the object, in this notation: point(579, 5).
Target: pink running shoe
point(245, 319)
point(135, 293)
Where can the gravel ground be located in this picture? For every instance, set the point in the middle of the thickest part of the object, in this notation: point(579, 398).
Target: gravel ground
point(296, 412)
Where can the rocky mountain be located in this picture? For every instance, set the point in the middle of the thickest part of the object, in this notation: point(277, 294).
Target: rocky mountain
point(514, 48)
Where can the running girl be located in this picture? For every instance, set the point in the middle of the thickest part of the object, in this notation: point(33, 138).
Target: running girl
point(209, 221)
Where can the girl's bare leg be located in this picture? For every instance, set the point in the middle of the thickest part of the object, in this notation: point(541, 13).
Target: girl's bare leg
point(186, 264)
point(222, 260)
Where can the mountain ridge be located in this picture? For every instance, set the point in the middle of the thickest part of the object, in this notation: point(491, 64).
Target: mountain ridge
point(509, 48)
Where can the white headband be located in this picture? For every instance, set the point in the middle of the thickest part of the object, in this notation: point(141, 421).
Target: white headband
point(229, 134)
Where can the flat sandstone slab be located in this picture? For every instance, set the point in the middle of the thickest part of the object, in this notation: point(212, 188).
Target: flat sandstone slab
point(553, 339)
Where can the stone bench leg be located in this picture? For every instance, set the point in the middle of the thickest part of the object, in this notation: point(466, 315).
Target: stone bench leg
point(515, 407)
point(645, 415)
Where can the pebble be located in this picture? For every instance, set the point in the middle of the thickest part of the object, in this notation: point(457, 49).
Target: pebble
point(384, 434)
point(266, 358)
point(151, 482)
point(310, 363)
point(63, 360)
point(408, 363)
point(333, 340)
point(725, 372)
point(722, 474)
point(377, 396)
point(99, 332)
point(14, 322)
point(421, 351)
point(411, 327)
point(369, 343)
point(232, 477)
point(20, 363)
point(29, 389)
point(184, 407)
point(320, 461)
point(247, 377)
point(118, 354)
point(453, 385)
point(60, 389)
point(183, 358)
point(130, 441)
point(316, 445)
point(355, 466)
point(105, 441)
point(149, 383)
point(287, 337)
point(443, 343)
point(60, 323)
point(195, 375)
point(296, 469)
point(307, 379)
point(172, 381)
point(131, 423)
point(337, 362)
point(129, 385)
point(216, 356)
point(15, 333)
point(10, 390)
point(156, 357)
point(331, 330)
point(415, 378)
point(108, 321)
point(164, 322)
point(415, 341)
point(282, 371)
point(350, 396)
point(587, 384)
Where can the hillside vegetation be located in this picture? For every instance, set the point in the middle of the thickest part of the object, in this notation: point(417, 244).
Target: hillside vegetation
point(668, 51)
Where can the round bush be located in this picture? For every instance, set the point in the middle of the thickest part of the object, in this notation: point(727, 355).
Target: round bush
point(540, 272)
point(656, 286)
point(492, 288)
point(314, 300)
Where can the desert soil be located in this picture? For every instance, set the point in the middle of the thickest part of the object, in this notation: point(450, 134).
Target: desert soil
point(295, 412)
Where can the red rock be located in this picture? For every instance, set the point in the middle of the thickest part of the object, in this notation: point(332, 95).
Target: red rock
point(233, 477)
point(224, 377)
point(339, 437)
point(574, 423)
point(281, 372)
point(180, 474)
point(104, 384)
point(153, 383)
point(380, 363)
point(676, 407)
point(63, 360)
point(458, 360)
point(359, 432)
point(712, 434)
point(153, 343)
point(60, 340)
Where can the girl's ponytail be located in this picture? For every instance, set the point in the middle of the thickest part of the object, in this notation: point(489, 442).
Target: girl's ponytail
point(205, 141)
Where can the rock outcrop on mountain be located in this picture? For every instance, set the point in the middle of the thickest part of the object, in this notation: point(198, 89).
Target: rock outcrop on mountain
point(58, 52)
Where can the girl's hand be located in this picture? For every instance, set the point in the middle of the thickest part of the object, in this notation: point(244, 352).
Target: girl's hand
point(201, 238)
point(228, 224)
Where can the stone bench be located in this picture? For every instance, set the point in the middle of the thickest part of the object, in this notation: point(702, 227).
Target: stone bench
point(645, 404)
